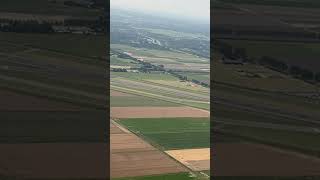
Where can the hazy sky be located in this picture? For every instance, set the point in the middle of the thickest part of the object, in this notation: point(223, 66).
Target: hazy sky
point(196, 9)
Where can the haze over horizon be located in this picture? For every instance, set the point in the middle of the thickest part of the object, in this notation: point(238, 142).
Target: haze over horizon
point(181, 9)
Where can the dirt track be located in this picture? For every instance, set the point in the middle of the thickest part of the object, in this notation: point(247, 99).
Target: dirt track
point(56, 160)
point(242, 159)
point(157, 112)
point(131, 156)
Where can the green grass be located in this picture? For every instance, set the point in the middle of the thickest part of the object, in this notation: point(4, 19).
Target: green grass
point(54, 92)
point(290, 139)
point(175, 34)
point(10, 48)
point(73, 44)
point(267, 99)
point(46, 127)
point(236, 115)
point(202, 77)
point(178, 176)
point(160, 56)
point(62, 58)
point(145, 76)
point(45, 8)
point(128, 101)
point(285, 3)
point(114, 60)
point(305, 54)
point(267, 79)
point(266, 178)
point(164, 80)
point(172, 133)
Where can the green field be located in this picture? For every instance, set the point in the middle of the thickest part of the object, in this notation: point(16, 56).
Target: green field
point(172, 133)
point(178, 176)
point(175, 34)
point(202, 77)
point(145, 76)
point(44, 8)
point(280, 101)
point(160, 56)
point(128, 101)
point(37, 127)
point(164, 80)
point(305, 142)
point(285, 3)
point(258, 77)
point(10, 48)
point(266, 178)
point(114, 60)
point(304, 54)
point(73, 44)
point(226, 113)
point(78, 53)
point(149, 85)
point(62, 58)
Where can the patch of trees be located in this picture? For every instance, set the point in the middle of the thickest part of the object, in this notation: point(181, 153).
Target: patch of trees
point(85, 4)
point(119, 70)
point(269, 62)
point(295, 71)
point(230, 52)
point(273, 63)
point(175, 74)
point(185, 78)
point(98, 25)
point(301, 73)
point(148, 67)
point(317, 76)
point(29, 26)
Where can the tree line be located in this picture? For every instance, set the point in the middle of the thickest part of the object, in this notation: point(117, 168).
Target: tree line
point(26, 26)
point(147, 67)
point(269, 62)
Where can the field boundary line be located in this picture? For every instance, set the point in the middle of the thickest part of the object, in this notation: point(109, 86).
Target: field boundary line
point(159, 149)
point(150, 95)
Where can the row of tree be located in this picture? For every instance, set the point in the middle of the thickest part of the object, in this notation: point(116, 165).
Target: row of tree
point(230, 52)
point(260, 32)
point(119, 70)
point(26, 26)
point(147, 67)
point(185, 78)
point(295, 71)
point(270, 62)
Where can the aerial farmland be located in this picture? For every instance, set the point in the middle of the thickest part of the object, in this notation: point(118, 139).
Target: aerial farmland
point(159, 101)
point(52, 76)
point(266, 95)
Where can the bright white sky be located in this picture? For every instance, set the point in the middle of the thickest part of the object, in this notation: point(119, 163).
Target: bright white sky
point(195, 9)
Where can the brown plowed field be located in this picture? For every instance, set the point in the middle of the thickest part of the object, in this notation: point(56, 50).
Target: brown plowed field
point(157, 112)
point(119, 94)
point(131, 156)
point(244, 159)
point(56, 160)
point(195, 159)
point(11, 101)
